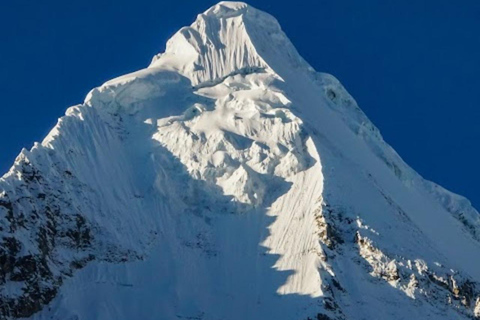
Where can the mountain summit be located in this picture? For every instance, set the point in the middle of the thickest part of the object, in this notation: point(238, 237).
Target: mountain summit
point(229, 180)
point(228, 39)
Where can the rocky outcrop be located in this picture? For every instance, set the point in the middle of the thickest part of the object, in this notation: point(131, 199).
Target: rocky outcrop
point(436, 284)
point(39, 228)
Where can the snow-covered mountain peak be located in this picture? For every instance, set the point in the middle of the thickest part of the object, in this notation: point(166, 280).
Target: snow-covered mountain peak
point(229, 180)
point(225, 9)
point(230, 37)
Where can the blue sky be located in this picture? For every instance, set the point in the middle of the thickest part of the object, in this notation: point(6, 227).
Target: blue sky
point(411, 65)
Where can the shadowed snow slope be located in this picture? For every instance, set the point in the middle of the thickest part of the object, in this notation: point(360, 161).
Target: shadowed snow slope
point(229, 180)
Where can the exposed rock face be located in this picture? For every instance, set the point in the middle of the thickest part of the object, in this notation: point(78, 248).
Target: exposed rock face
point(433, 284)
point(45, 233)
point(41, 227)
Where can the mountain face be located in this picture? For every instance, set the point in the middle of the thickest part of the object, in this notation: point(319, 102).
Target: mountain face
point(229, 180)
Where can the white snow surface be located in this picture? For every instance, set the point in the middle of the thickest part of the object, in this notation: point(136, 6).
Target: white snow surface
point(215, 172)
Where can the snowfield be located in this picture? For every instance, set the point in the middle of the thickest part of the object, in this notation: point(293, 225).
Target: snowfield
point(229, 180)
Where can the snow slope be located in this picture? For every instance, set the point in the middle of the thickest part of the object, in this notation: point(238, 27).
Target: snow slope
point(229, 180)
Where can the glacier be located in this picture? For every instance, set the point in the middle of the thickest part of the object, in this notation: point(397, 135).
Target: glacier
point(229, 180)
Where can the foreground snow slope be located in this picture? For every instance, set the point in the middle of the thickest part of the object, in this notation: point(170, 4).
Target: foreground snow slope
point(229, 180)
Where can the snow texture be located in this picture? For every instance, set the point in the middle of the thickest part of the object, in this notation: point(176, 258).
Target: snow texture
point(229, 180)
